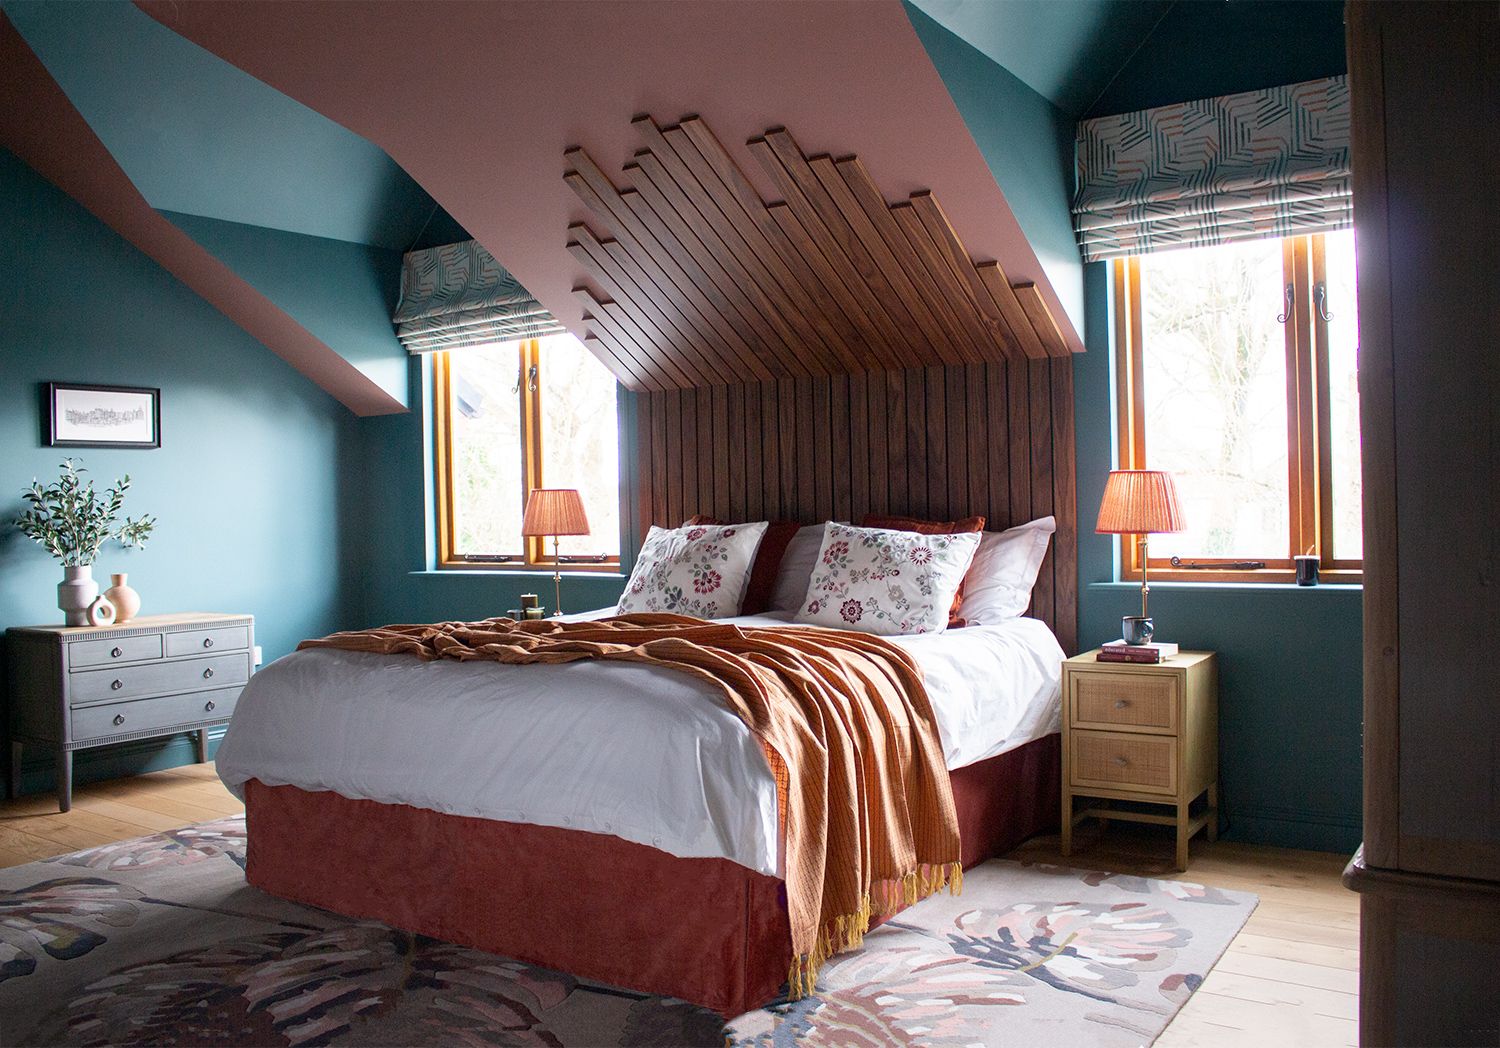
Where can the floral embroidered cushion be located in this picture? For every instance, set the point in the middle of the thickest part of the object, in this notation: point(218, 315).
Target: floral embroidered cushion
point(887, 582)
point(697, 570)
point(931, 527)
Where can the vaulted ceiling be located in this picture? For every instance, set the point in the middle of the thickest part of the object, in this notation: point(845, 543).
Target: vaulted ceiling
point(278, 157)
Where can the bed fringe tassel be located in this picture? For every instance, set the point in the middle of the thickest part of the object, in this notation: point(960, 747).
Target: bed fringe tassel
point(885, 898)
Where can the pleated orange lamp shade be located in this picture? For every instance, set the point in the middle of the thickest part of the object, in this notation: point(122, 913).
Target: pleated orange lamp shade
point(554, 511)
point(1139, 502)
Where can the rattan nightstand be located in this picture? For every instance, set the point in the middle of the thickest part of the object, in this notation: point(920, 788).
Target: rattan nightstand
point(1148, 734)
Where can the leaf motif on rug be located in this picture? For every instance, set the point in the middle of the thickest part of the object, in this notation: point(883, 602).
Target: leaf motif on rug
point(55, 917)
point(361, 984)
point(176, 848)
point(1183, 891)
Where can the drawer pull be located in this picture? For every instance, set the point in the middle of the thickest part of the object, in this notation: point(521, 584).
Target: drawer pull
point(115, 653)
point(208, 642)
point(1121, 761)
point(119, 719)
point(116, 684)
point(208, 673)
point(208, 707)
point(1121, 704)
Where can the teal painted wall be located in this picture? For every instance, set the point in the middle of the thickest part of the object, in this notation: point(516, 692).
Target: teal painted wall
point(1027, 143)
point(341, 292)
point(248, 485)
point(1203, 48)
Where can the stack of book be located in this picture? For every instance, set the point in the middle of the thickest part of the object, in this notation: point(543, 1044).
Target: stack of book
point(1119, 651)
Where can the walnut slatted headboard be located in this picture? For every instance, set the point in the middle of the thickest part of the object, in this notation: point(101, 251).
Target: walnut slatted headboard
point(941, 442)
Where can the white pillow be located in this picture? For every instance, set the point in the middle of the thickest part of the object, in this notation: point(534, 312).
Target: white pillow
point(796, 568)
point(701, 570)
point(999, 583)
point(886, 582)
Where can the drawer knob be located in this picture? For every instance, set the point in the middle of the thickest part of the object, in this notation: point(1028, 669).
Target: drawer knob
point(119, 719)
point(208, 642)
point(116, 685)
point(1121, 761)
point(115, 653)
point(208, 707)
point(208, 673)
point(1121, 704)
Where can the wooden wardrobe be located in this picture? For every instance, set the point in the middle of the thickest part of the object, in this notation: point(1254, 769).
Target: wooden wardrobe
point(1425, 87)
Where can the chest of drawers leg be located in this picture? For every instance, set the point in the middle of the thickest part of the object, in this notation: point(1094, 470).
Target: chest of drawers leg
point(73, 688)
point(1145, 736)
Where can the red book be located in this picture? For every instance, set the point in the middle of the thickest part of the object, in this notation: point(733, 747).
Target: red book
point(1148, 657)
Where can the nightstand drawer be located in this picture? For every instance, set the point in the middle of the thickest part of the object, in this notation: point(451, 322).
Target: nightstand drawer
point(158, 678)
point(120, 718)
point(203, 642)
point(85, 653)
point(1124, 761)
point(1125, 702)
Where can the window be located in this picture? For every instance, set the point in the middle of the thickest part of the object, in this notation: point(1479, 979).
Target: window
point(513, 416)
point(1237, 373)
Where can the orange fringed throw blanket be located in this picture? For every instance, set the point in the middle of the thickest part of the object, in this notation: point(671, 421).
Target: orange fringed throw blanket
point(866, 808)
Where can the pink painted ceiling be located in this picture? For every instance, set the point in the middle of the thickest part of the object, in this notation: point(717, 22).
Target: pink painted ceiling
point(42, 127)
point(479, 101)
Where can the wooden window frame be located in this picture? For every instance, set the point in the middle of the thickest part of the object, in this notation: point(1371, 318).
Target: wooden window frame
point(1309, 452)
point(536, 553)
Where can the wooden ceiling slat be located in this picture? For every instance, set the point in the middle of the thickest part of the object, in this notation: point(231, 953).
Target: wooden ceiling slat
point(863, 189)
point(895, 341)
point(907, 325)
point(1041, 319)
point(948, 281)
point(695, 202)
point(667, 200)
point(708, 346)
point(952, 249)
point(1004, 296)
point(635, 357)
point(628, 282)
point(929, 327)
point(713, 196)
point(642, 247)
point(833, 298)
point(705, 284)
point(798, 240)
point(733, 310)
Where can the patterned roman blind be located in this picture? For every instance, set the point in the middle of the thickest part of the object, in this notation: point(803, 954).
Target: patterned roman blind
point(458, 295)
point(1259, 164)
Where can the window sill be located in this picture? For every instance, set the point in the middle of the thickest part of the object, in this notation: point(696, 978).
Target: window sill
point(1128, 586)
point(532, 573)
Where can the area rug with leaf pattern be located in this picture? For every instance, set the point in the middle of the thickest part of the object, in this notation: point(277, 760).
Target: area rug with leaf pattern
point(159, 940)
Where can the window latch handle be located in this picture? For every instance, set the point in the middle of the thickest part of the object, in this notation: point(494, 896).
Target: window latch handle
point(1286, 314)
point(1320, 296)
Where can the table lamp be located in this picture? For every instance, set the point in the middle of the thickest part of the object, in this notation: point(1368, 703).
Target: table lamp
point(1139, 502)
point(555, 512)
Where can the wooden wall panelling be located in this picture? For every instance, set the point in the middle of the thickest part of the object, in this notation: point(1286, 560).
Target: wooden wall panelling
point(863, 189)
point(785, 301)
point(819, 238)
point(739, 199)
point(703, 283)
point(941, 441)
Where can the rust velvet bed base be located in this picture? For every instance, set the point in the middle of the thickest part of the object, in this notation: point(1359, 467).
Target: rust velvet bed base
point(708, 931)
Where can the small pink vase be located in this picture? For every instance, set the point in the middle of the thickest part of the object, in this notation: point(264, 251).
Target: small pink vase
point(127, 601)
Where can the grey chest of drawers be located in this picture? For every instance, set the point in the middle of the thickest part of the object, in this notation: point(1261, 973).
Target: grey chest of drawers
point(72, 687)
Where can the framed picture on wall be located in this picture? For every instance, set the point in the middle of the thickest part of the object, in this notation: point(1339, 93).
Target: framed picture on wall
point(83, 416)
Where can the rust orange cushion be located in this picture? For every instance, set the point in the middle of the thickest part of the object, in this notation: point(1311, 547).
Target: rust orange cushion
point(766, 565)
point(929, 527)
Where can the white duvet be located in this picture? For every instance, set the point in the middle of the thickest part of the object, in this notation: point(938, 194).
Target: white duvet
point(641, 752)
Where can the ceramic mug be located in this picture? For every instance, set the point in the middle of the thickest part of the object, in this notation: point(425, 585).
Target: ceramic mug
point(1307, 570)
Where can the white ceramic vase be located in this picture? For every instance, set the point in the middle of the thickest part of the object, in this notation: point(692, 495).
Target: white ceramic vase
point(76, 592)
point(127, 601)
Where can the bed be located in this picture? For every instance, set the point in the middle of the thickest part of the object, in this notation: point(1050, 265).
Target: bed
point(610, 820)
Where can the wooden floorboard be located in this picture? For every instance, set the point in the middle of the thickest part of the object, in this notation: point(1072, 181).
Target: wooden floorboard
point(1289, 978)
